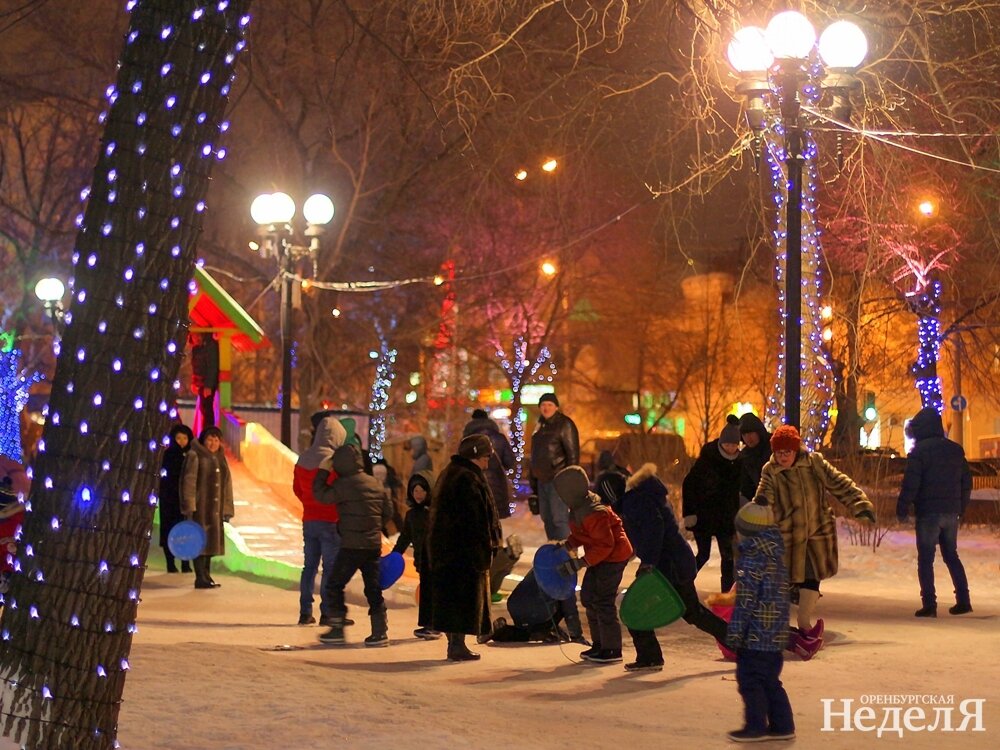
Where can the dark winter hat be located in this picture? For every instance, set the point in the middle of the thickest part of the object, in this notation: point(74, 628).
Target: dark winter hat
point(731, 432)
point(475, 446)
point(480, 414)
point(210, 432)
point(750, 422)
point(606, 461)
point(571, 484)
point(549, 397)
point(786, 438)
point(754, 517)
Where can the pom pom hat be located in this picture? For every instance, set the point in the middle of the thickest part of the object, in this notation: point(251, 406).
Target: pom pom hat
point(786, 438)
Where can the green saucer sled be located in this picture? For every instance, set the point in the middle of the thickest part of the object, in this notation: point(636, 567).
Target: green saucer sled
point(651, 603)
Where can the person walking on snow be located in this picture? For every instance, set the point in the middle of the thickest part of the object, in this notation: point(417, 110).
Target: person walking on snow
point(320, 537)
point(418, 498)
point(554, 446)
point(758, 629)
point(364, 508)
point(795, 483)
point(606, 551)
point(938, 484)
point(711, 497)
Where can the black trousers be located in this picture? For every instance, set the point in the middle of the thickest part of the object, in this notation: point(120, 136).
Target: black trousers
point(647, 648)
point(597, 594)
point(725, 542)
point(765, 702)
point(349, 562)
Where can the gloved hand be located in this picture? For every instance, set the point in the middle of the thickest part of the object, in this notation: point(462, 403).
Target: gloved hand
point(533, 505)
point(866, 515)
point(690, 522)
point(643, 570)
point(572, 565)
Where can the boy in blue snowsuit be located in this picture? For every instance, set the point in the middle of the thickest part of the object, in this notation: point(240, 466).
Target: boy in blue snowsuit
point(758, 629)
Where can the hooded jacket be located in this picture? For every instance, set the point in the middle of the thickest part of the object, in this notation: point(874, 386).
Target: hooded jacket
point(753, 459)
point(171, 472)
point(554, 446)
point(711, 490)
point(361, 500)
point(501, 461)
point(760, 617)
point(330, 435)
point(417, 517)
point(798, 496)
point(652, 527)
point(421, 458)
point(937, 477)
point(593, 525)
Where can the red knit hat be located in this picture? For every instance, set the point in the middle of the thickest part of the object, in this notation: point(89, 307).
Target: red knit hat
point(786, 438)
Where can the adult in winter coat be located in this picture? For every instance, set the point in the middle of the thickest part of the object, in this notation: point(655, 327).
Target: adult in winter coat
point(795, 482)
point(501, 462)
point(421, 458)
point(463, 536)
point(756, 452)
point(207, 497)
point(554, 446)
point(938, 484)
point(320, 537)
point(364, 508)
point(711, 497)
point(606, 551)
point(171, 472)
point(418, 500)
point(652, 529)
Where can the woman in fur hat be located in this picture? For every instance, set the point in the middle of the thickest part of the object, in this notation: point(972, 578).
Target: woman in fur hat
point(795, 482)
point(207, 497)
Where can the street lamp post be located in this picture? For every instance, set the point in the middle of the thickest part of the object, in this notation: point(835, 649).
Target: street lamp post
point(273, 213)
point(50, 291)
point(774, 64)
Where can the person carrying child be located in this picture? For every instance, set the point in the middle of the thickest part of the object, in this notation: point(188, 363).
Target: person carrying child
point(758, 630)
point(606, 551)
point(364, 508)
point(418, 500)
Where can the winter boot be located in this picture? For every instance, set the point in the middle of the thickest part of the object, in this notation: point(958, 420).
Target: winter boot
point(380, 631)
point(335, 634)
point(201, 579)
point(185, 566)
point(928, 610)
point(426, 634)
point(805, 646)
point(960, 608)
point(606, 656)
point(816, 631)
point(457, 650)
point(171, 565)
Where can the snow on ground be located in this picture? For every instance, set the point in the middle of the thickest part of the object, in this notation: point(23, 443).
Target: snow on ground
point(206, 675)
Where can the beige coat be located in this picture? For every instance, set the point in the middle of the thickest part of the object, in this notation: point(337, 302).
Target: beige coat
point(801, 510)
point(207, 494)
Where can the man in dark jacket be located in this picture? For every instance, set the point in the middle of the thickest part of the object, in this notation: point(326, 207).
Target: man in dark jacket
point(364, 508)
point(711, 497)
point(501, 461)
point(938, 484)
point(463, 536)
point(756, 452)
point(652, 529)
point(554, 446)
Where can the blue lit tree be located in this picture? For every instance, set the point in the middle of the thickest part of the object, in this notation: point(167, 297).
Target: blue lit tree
point(70, 613)
point(385, 373)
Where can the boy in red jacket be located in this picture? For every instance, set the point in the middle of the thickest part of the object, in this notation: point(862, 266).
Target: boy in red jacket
point(606, 552)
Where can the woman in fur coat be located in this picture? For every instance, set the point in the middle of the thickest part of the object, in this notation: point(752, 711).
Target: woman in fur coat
point(207, 497)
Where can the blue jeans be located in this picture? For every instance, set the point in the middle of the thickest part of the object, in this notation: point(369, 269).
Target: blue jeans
point(554, 512)
point(320, 542)
point(935, 529)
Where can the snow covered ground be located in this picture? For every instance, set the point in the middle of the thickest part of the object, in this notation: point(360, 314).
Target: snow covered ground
point(229, 670)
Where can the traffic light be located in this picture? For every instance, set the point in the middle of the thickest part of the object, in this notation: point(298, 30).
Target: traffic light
point(871, 411)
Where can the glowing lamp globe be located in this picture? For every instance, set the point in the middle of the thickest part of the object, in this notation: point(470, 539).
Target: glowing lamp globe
point(790, 36)
point(843, 45)
point(748, 51)
point(260, 210)
point(318, 209)
point(282, 208)
point(50, 290)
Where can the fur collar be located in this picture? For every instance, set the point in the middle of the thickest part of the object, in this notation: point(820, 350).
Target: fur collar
point(645, 472)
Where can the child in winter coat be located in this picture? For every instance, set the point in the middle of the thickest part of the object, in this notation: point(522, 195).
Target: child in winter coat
point(418, 498)
point(606, 552)
point(758, 629)
point(652, 528)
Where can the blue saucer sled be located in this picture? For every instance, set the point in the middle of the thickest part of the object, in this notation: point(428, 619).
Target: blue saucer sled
point(186, 540)
point(550, 579)
point(650, 603)
point(390, 568)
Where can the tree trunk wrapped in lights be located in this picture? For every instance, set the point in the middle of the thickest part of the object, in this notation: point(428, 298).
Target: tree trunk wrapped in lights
point(70, 614)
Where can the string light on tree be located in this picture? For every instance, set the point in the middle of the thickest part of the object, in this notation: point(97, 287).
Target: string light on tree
point(14, 386)
point(385, 373)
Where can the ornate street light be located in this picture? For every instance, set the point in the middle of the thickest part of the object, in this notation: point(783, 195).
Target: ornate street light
point(778, 67)
point(273, 213)
point(50, 291)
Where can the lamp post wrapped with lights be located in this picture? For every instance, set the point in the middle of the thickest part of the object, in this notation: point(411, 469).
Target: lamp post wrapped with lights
point(778, 67)
point(273, 213)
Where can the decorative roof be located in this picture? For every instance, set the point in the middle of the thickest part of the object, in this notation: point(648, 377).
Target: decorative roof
point(211, 306)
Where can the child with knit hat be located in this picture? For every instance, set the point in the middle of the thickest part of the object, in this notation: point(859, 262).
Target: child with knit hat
point(796, 483)
point(758, 629)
